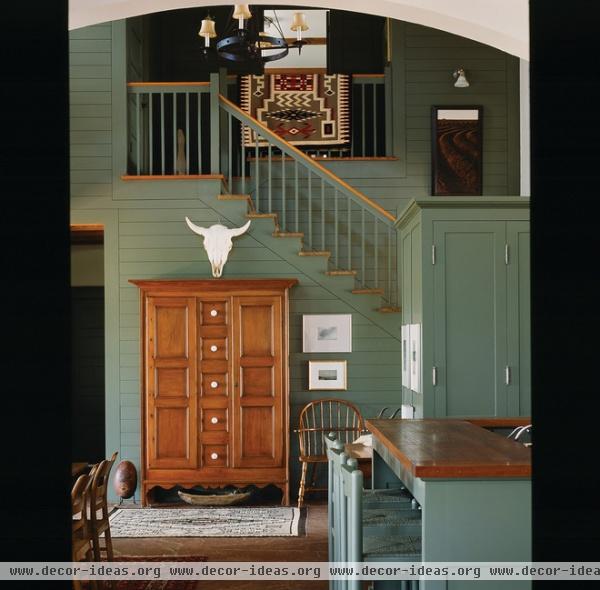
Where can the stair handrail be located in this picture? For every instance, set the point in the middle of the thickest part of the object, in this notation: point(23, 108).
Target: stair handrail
point(358, 197)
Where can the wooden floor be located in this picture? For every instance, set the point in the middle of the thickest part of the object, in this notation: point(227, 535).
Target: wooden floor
point(311, 547)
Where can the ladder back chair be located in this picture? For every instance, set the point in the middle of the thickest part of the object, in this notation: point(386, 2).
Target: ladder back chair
point(98, 508)
point(81, 532)
point(319, 418)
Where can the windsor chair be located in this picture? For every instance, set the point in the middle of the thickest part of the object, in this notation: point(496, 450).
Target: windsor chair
point(318, 418)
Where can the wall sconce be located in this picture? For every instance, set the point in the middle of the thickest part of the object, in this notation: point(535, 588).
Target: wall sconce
point(461, 79)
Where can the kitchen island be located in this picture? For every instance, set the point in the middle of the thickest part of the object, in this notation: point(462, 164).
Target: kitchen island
point(473, 485)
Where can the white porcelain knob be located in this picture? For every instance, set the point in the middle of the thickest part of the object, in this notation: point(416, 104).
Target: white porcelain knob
point(214, 420)
point(214, 384)
point(214, 456)
point(214, 348)
point(214, 313)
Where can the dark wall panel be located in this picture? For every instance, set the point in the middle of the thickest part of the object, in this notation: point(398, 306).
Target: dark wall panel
point(355, 43)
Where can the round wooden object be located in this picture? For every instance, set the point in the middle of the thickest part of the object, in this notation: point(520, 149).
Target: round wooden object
point(125, 480)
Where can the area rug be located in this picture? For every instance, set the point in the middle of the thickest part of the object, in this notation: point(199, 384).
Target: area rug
point(158, 584)
point(304, 109)
point(279, 521)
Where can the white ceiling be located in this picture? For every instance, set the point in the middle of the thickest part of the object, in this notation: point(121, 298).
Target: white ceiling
point(500, 23)
point(311, 56)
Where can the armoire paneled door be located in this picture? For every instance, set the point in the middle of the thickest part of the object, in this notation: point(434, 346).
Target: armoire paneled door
point(215, 408)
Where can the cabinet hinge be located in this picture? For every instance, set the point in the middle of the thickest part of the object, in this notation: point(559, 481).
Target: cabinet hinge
point(506, 255)
point(432, 253)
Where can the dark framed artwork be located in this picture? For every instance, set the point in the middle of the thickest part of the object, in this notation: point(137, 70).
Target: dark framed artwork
point(457, 147)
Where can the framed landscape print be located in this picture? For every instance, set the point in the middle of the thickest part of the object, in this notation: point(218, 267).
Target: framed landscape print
point(327, 333)
point(456, 150)
point(330, 375)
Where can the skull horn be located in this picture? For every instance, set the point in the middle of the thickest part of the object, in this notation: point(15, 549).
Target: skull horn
point(238, 231)
point(196, 228)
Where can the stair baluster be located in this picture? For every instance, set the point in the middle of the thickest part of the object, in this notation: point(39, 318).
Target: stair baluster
point(293, 217)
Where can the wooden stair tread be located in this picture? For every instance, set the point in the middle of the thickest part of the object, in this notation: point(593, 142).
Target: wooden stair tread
point(341, 273)
point(314, 253)
point(367, 291)
point(261, 215)
point(288, 234)
point(389, 309)
point(246, 198)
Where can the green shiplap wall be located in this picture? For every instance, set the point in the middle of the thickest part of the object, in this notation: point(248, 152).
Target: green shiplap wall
point(145, 235)
point(90, 99)
point(422, 64)
point(155, 242)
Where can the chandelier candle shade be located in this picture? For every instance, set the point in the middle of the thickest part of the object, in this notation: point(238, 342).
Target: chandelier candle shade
point(239, 44)
point(241, 12)
point(299, 24)
point(207, 30)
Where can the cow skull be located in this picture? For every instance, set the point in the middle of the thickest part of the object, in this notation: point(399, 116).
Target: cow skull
point(217, 242)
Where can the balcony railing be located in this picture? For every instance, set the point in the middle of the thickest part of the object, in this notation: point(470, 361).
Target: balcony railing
point(190, 129)
point(170, 127)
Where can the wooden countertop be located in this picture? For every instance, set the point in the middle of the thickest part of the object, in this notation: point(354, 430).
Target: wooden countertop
point(450, 449)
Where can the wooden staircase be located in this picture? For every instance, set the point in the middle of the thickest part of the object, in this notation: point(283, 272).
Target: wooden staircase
point(350, 236)
point(265, 228)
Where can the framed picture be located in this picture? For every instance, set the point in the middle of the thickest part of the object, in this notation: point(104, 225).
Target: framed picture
point(327, 333)
point(456, 150)
point(327, 375)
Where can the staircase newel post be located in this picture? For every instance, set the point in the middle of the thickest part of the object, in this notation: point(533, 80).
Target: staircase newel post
point(215, 124)
point(223, 129)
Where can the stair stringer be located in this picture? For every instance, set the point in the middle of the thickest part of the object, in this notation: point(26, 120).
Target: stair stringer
point(315, 267)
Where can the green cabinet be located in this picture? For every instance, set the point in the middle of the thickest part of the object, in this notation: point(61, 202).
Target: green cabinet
point(465, 287)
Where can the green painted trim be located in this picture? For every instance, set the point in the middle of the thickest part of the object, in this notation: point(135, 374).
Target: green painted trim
point(513, 118)
point(389, 110)
point(119, 104)
point(416, 205)
point(398, 93)
point(112, 401)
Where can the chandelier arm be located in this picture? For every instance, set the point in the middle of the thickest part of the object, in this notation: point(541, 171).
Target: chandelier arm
point(278, 25)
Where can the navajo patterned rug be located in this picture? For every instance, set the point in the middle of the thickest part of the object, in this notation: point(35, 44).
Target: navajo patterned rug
point(278, 521)
point(304, 109)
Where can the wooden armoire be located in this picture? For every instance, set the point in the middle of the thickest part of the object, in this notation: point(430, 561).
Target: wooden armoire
point(215, 407)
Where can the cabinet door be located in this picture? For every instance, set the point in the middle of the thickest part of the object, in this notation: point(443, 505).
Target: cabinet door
point(171, 382)
point(469, 318)
point(519, 331)
point(258, 381)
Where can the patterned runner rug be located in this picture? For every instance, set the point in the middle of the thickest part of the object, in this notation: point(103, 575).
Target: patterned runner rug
point(158, 584)
point(279, 521)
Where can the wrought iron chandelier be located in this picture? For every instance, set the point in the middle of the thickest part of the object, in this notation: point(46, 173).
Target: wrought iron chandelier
point(242, 45)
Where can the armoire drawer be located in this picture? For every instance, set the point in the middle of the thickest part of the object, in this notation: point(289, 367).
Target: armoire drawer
point(215, 455)
point(214, 420)
point(214, 348)
point(214, 384)
point(214, 313)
